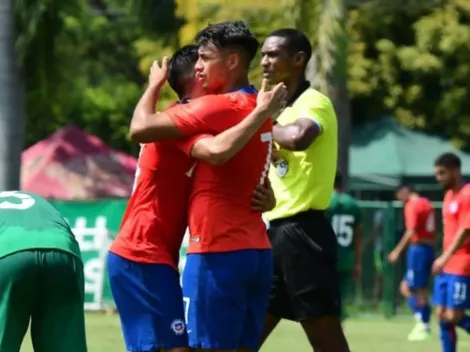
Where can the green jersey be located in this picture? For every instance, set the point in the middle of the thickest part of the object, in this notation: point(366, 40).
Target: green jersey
point(345, 216)
point(28, 221)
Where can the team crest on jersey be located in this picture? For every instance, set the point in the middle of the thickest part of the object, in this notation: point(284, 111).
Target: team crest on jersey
point(281, 167)
point(178, 326)
point(453, 207)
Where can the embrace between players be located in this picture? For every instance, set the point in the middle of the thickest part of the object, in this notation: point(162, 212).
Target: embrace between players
point(204, 163)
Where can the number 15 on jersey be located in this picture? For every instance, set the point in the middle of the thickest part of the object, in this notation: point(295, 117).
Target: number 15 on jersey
point(343, 227)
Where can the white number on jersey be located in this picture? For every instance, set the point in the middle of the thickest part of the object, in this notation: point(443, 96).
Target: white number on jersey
point(460, 292)
point(266, 137)
point(343, 227)
point(26, 201)
point(431, 223)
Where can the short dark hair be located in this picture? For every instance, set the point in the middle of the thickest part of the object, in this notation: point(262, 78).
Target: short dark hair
point(230, 34)
point(449, 161)
point(338, 180)
point(181, 67)
point(296, 41)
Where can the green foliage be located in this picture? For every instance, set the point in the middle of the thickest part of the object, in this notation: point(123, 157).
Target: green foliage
point(86, 62)
point(81, 62)
point(413, 65)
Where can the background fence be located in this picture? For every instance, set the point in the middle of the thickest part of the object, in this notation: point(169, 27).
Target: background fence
point(376, 291)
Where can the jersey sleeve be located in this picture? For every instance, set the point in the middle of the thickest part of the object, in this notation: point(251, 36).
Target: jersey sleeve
point(464, 216)
point(411, 217)
point(202, 115)
point(187, 144)
point(319, 109)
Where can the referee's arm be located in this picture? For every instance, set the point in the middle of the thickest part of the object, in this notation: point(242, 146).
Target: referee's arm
point(298, 135)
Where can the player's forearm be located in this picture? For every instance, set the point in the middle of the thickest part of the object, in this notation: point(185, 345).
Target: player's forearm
point(405, 239)
point(221, 148)
point(456, 243)
point(144, 112)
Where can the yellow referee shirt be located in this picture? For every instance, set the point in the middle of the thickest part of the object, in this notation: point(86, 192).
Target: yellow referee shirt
point(303, 180)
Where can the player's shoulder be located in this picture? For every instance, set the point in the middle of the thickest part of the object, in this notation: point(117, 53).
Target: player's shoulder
point(349, 198)
point(425, 202)
point(215, 102)
point(465, 191)
point(313, 97)
point(241, 100)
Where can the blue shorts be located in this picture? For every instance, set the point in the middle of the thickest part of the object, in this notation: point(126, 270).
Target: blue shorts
point(226, 298)
point(419, 259)
point(452, 291)
point(149, 300)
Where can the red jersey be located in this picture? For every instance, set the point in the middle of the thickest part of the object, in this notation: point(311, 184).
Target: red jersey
point(220, 217)
point(456, 216)
point(420, 217)
point(154, 222)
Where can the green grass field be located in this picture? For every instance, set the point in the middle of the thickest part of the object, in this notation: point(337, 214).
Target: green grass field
point(364, 335)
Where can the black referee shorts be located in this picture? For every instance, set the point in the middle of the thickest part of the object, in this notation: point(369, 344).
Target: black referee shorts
point(305, 283)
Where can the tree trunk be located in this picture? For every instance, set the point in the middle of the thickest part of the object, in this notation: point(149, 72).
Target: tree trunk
point(11, 103)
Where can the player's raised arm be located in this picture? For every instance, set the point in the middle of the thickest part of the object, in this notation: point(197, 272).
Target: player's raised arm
point(147, 125)
point(221, 148)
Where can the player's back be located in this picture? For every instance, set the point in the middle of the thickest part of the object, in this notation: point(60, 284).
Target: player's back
point(154, 222)
point(28, 221)
point(344, 215)
point(220, 214)
point(421, 209)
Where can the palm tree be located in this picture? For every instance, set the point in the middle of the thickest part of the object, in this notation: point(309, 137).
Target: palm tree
point(11, 105)
point(324, 22)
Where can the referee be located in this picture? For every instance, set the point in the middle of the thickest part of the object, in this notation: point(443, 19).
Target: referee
point(305, 286)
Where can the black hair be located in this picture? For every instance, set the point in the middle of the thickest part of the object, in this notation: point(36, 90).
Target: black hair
point(296, 41)
point(231, 34)
point(449, 161)
point(181, 68)
point(338, 180)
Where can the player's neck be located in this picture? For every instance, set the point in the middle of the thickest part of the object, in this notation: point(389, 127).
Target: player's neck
point(237, 84)
point(414, 196)
point(458, 185)
point(293, 85)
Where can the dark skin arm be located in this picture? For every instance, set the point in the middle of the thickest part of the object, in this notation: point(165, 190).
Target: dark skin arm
point(298, 135)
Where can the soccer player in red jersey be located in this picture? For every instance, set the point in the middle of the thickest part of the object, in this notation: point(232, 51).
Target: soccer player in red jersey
point(227, 278)
point(143, 259)
point(419, 236)
point(452, 286)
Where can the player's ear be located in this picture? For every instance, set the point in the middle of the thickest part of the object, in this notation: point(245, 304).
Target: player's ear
point(233, 61)
point(299, 59)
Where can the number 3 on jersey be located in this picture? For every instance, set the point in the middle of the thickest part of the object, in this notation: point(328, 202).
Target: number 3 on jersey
point(343, 227)
point(24, 201)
